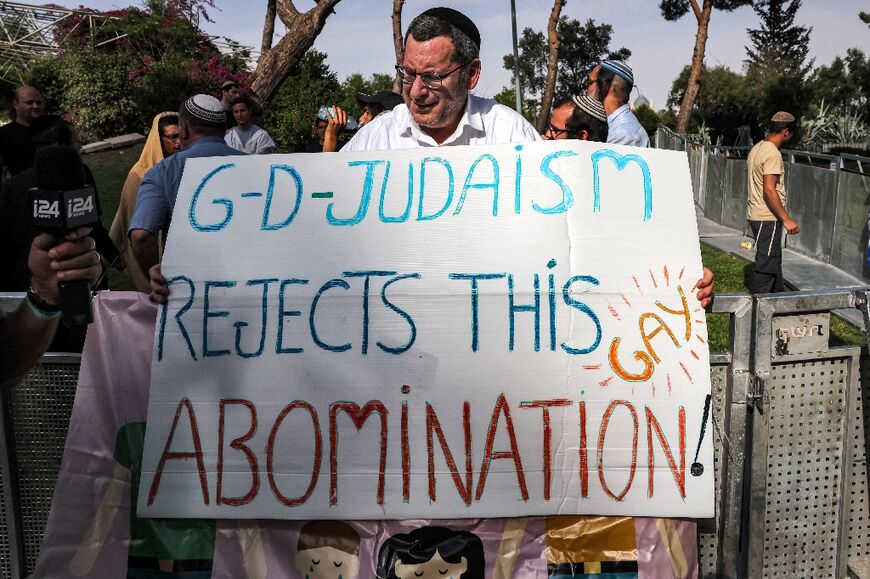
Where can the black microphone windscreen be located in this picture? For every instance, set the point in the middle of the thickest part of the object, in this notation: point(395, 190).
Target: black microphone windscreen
point(58, 169)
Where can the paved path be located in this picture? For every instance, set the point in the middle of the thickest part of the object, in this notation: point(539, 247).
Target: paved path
point(800, 272)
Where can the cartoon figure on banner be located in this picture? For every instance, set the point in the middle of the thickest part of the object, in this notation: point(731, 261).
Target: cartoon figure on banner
point(328, 550)
point(185, 545)
point(430, 552)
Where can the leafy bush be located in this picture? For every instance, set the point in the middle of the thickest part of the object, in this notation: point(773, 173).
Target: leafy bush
point(833, 126)
point(98, 93)
point(648, 118)
point(112, 87)
point(290, 116)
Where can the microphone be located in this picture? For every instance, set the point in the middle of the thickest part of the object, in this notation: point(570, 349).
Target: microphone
point(62, 202)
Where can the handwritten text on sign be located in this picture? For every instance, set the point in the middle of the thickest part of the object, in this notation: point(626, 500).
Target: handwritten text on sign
point(460, 332)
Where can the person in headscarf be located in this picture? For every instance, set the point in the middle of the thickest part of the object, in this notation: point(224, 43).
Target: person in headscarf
point(163, 141)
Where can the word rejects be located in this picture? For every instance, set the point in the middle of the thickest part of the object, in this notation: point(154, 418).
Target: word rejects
point(460, 332)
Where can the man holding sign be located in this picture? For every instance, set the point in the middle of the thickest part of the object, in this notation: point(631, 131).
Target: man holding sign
point(440, 66)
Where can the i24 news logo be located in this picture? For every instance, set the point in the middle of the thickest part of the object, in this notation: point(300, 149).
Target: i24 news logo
point(78, 206)
point(75, 207)
point(45, 208)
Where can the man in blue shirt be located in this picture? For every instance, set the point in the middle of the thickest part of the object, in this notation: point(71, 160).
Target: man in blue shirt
point(611, 83)
point(201, 125)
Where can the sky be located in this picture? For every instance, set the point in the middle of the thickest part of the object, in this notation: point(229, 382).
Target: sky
point(358, 36)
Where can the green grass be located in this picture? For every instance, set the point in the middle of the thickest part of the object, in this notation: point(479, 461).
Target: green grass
point(732, 275)
point(110, 170)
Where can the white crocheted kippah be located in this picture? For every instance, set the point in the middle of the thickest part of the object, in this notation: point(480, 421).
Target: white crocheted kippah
point(207, 109)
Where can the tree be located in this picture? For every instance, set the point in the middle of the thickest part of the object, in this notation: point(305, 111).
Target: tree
point(674, 10)
point(507, 97)
point(581, 47)
point(845, 83)
point(552, 63)
point(356, 83)
point(268, 26)
point(777, 67)
point(398, 43)
point(294, 107)
point(779, 47)
point(723, 103)
point(276, 64)
point(648, 118)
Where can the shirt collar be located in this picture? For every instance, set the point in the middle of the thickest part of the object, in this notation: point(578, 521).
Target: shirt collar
point(471, 118)
point(203, 141)
point(618, 113)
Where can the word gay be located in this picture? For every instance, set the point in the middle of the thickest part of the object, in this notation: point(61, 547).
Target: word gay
point(484, 174)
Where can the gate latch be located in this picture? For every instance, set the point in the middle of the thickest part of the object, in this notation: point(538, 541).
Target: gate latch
point(755, 396)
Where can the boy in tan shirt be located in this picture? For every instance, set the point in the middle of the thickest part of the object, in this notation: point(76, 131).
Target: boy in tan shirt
point(766, 209)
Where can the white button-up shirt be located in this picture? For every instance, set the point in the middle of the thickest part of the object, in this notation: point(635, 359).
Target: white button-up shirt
point(484, 122)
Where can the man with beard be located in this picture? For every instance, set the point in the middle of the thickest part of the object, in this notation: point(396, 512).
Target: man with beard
point(440, 67)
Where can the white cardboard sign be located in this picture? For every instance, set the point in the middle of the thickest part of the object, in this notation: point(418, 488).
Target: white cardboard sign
point(440, 333)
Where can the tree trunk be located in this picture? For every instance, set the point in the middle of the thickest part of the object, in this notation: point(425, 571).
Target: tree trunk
point(397, 40)
point(552, 64)
point(703, 18)
point(276, 63)
point(268, 27)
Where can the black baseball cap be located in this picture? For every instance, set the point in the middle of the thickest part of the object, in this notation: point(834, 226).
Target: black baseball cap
point(386, 98)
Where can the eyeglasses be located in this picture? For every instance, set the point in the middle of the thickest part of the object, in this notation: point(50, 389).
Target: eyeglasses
point(172, 137)
point(429, 79)
point(556, 132)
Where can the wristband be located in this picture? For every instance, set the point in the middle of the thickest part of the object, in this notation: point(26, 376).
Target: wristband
point(40, 307)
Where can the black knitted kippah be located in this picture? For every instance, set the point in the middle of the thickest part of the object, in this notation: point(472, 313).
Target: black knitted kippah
point(457, 19)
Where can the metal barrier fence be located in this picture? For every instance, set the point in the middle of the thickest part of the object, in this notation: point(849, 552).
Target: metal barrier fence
point(828, 196)
point(790, 431)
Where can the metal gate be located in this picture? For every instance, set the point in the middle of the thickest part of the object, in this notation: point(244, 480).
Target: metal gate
point(806, 438)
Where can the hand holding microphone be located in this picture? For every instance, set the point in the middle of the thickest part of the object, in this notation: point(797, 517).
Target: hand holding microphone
point(63, 261)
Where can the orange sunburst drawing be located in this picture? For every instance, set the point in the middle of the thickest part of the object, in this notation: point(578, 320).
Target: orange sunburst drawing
point(668, 327)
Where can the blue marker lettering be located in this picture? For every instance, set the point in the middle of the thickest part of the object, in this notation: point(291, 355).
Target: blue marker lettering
point(240, 325)
point(206, 314)
point(314, 336)
point(407, 213)
point(365, 305)
point(282, 313)
point(567, 195)
point(191, 213)
point(178, 315)
point(448, 201)
point(365, 198)
point(551, 293)
point(401, 312)
point(474, 277)
point(297, 181)
point(491, 185)
point(569, 301)
point(513, 309)
point(621, 161)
